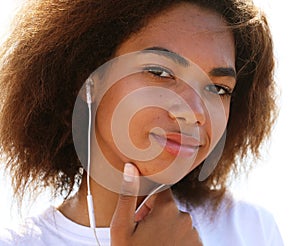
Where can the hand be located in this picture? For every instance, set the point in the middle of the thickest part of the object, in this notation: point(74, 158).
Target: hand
point(163, 225)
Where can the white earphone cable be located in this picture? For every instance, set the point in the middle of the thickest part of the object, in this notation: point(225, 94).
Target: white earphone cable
point(89, 195)
point(148, 196)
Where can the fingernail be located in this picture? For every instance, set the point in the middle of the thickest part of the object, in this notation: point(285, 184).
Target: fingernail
point(128, 175)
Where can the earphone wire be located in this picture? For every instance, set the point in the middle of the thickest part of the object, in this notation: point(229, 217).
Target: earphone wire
point(90, 204)
point(89, 195)
point(149, 195)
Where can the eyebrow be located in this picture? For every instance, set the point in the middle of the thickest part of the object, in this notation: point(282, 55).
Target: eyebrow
point(168, 54)
point(217, 72)
point(223, 72)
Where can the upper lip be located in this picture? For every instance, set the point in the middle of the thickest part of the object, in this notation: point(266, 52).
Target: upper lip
point(181, 139)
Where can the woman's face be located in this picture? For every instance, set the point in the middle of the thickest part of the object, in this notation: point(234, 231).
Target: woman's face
point(187, 133)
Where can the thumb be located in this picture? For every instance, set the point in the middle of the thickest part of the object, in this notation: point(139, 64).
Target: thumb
point(123, 218)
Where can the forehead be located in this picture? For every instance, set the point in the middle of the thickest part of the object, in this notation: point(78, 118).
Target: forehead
point(199, 34)
point(191, 16)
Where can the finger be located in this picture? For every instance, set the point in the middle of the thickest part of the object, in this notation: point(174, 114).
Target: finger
point(142, 213)
point(123, 218)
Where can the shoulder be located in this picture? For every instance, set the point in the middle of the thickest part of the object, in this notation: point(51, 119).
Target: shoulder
point(237, 223)
point(52, 228)
point(239, 211)
point(251, 219)
point(21, 235)
point(6, 237)
point(255, 223)
point(29, 232)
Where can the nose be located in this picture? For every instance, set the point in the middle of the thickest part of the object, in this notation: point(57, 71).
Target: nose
point(191, 109)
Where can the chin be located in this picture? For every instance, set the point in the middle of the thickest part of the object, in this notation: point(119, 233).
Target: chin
point(168, 176)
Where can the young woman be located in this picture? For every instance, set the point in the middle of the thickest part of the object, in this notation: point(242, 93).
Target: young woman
point(121, 99)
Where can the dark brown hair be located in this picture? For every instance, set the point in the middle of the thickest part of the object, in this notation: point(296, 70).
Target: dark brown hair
point(55, 45)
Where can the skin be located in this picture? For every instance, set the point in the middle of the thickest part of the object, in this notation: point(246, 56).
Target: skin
point(169, 33)
point(200, 36)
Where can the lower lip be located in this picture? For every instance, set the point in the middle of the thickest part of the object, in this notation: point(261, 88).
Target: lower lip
point(174, 148)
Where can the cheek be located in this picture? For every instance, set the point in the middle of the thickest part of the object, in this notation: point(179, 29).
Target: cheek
point(108, 109)
point(227, 111)
point(218, 116)
point(139, 126)
point(215, 130)
point(143, 122)
point(104, 114)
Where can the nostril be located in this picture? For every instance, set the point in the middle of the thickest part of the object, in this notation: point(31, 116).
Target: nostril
point(172, 115)
point(181, 118)
point(187, 114)
point(187, 117)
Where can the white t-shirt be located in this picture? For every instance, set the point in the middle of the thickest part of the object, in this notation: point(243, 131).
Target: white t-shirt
point(240, 225)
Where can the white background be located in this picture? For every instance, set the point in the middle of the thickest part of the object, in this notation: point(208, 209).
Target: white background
point(274, 184)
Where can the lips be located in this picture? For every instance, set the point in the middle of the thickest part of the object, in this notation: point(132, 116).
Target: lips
point(183, 139)
point(178, 144)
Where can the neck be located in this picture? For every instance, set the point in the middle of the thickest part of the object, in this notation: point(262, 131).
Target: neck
point(105, 201)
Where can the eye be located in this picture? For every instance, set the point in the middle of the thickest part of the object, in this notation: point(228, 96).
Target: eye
point(159, 71)
point(220, 90)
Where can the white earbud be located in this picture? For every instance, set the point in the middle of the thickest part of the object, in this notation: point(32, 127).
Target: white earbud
point(89, 84)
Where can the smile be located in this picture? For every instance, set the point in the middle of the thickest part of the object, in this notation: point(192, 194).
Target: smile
point(178, 144)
